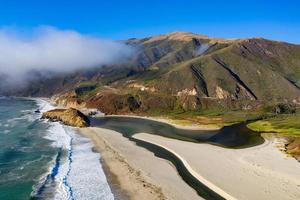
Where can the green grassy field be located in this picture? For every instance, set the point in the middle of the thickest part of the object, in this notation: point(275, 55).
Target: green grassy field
point(211, 117)
point(285, 125)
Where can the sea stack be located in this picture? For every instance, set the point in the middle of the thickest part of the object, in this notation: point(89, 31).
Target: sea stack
point(70, 117)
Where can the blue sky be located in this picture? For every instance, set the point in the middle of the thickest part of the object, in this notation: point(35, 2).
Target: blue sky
point(279, 20)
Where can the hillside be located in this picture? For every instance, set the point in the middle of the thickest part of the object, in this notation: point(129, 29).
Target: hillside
point(182, 71)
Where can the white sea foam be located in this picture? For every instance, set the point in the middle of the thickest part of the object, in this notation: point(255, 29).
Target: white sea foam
point(44, 105)
point(26, 111)
point(86, 176)
point(80, 175)
point(57, 134)
point(62, 140)
point(28, 117)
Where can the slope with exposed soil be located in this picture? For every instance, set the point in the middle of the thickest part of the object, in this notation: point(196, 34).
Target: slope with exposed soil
point(182, 71)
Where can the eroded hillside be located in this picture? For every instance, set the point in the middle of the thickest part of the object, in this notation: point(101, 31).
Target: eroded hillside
point(183, 71)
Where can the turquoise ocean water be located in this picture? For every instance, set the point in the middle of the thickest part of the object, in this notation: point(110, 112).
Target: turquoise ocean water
point(42, 160)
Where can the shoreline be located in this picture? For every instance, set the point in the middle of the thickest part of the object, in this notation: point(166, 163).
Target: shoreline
point(73, 178)
point(249, 165)
point(117, 171)
point(114, 177)
point(125, 181)
point(210, 191)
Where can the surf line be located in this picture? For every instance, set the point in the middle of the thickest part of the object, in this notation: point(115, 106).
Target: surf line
point(65, 178)
point(51, 175)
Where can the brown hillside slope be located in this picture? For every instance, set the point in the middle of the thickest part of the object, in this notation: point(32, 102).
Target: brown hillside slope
point(183, 71)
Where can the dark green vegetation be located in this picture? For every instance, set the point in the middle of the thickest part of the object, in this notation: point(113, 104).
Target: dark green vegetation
point(285, 125)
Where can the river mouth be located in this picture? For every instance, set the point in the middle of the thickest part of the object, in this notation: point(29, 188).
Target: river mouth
point(234, 137)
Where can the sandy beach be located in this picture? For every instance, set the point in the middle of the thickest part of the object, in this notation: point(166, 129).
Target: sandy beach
point(139, 173)
point(261, 172)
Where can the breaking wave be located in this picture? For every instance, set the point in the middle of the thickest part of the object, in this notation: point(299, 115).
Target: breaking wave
point(75, 172)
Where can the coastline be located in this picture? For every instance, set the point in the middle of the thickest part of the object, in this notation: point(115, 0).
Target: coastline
point(132, 164)
point(143, 179)
point(249, 165)
point(125, 181)
point(72, 179)
point(140, 182)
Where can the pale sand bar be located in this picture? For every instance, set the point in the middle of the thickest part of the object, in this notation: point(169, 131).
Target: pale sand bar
point(261, 172)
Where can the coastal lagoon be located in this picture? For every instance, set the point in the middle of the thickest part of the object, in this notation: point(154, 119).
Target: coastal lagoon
point(235, 137)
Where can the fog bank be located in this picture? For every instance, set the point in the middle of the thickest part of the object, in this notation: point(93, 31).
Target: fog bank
point(50, 49)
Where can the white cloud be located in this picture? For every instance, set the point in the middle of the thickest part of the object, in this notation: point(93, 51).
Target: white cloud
point(50, 49)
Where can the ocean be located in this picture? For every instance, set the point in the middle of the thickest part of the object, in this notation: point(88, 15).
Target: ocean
point(45, 160)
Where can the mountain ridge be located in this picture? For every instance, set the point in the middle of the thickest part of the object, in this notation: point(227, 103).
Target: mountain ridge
point(184, 71)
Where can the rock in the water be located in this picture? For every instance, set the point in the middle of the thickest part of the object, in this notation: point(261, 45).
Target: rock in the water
point(71, 117)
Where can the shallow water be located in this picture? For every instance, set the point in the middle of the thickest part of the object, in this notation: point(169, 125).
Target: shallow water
point(235, 136)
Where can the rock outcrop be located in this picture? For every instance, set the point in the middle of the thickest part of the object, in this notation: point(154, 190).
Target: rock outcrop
point(293, 148)
point(70, 117)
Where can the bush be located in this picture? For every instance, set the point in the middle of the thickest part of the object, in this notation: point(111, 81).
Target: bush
point(284, 109)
